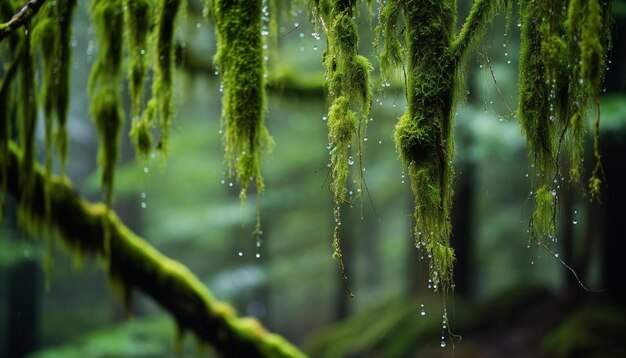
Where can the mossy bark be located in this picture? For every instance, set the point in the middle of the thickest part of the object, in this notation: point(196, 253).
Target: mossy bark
point(136, 264)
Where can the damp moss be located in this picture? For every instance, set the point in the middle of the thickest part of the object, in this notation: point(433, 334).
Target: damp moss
point(104, 86)
point(349, 95)
point(27, 122)
point(543, 219)
point(241, 66)
point(66, 13)
point(161, 100)
point(139, 20)
point(423, 135)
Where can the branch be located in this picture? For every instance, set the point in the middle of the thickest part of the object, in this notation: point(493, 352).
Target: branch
point(22, 17)
point(474, 26)
point(137, 264)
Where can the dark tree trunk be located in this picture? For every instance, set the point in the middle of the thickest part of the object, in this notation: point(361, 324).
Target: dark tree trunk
point(21, 326)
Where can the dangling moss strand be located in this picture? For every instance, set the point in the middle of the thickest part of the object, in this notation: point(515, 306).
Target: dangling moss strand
point(160, 105)
point(350, 95)
point(138, 16)
point(240, 61)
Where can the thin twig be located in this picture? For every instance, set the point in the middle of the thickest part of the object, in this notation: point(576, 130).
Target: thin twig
point(22, 17)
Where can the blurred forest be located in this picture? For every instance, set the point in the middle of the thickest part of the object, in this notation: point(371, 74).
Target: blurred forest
point(511, 298)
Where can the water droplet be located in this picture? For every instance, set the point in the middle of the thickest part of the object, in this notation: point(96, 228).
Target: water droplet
point(144, 205)
point(556, 254)
point(230, 184)
point(443, 344)
point(145, 170)
point(350, 161)
point(422, 312)
point(258, 255)
point(314, 47)
point(240, 254)
point(574, 221)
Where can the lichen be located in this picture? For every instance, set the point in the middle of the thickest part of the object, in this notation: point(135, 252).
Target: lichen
point(240, 62)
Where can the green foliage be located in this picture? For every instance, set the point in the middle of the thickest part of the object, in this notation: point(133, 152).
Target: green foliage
point(240, 62)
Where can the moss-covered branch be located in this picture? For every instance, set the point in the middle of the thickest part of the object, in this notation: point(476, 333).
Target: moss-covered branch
point(21, 18)
point(136, 264)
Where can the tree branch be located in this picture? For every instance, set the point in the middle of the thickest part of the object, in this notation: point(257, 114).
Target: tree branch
point(474, 26)
point(22, 17)
point(136, 264)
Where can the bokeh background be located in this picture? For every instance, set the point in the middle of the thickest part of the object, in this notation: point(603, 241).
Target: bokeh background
point(512, 298)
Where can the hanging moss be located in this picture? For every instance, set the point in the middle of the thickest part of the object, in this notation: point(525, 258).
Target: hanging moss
point(27, 122)
point(349, 94)
point(46, 36)
point(161, 102)
point(539, 59)
point(240, 62)
point(561, 66)
point(104, 86)
point(423, 134)
point(138, 16)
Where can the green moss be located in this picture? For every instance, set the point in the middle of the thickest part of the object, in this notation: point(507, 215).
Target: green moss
point(349, 94)
point(390, 54)
point(240, 62)
point(139, 19)
point(65, 14)
point(161, 100)
point(27, 122)
point(423, 134)
point(543, 220)
point(104, 86)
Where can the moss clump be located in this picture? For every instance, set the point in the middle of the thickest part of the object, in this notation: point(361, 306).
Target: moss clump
point(104, 83)
point(240, 61)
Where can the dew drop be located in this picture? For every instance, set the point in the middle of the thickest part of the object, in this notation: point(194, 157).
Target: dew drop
point(443, 344)
point(240, 254)
point(145, 170)
point(350, 161)
point(258, 255)
point(575, 221)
